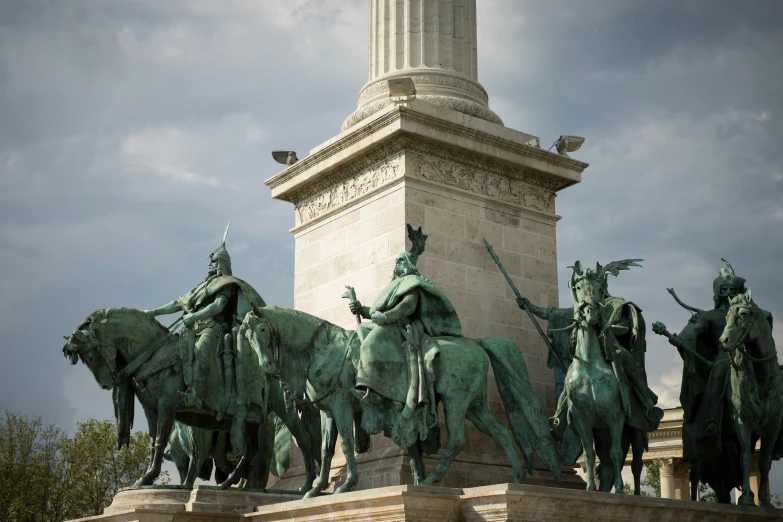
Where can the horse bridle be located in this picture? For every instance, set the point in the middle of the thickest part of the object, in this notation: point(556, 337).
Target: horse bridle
point(88, 340)
point(740, 345)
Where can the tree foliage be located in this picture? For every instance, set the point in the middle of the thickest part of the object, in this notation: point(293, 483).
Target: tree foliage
point(652, 479)
point(46, 476)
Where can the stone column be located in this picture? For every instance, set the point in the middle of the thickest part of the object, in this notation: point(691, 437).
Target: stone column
point(666, 467)
point(434, 43)
point(682, 488)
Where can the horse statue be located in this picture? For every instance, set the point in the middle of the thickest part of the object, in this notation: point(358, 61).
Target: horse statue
point(606, 399)
point(132, 354)
point(756, 390)
point(318, 360)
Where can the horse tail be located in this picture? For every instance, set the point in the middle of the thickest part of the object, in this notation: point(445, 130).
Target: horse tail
point(526, 414)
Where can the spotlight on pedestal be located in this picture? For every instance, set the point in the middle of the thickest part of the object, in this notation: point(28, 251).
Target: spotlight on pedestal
point(566, 144)
point(286, 157)
point(402, 91)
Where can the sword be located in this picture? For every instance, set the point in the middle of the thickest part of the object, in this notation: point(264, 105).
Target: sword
point(529, 313)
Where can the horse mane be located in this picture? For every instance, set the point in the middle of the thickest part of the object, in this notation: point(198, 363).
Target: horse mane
point(140, 314)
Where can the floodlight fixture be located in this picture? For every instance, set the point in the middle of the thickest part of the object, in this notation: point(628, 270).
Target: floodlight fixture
point(402, 91)
point(566, 144)
point(286, 157)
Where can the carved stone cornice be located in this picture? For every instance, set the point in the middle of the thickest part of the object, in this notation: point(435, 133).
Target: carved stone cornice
point(416, 158)
point(395, 122)
point(358, 180)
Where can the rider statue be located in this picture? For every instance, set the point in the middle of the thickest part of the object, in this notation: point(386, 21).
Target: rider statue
point(705, 367)
point(622, 323)
point(405, 313)
point(213, 312)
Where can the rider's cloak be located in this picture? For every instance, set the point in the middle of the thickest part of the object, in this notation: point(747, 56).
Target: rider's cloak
point(435, 311)
point(382, 365)
point(247, 297)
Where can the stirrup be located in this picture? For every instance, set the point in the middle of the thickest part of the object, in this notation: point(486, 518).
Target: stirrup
point(189, 399)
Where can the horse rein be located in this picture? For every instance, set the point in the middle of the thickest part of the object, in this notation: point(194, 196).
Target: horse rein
point(740, 346)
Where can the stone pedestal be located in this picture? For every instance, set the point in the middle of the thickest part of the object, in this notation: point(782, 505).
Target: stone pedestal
point(463, 180)
point(500, 503)
point(164, 503)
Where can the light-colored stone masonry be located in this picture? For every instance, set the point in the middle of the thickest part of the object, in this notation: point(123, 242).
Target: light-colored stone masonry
point(463, 180)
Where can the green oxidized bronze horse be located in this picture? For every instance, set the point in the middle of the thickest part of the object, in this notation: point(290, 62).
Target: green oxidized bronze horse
point(756, 390)
point(318, 360)
point(110, 342)
point(606, 399)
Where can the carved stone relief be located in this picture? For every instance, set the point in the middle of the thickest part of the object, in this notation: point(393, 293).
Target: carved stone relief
point(484, 183)
point(431, 161)
point(351, 188)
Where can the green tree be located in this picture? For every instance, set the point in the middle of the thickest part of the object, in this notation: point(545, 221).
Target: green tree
point(652, 479)
point(99, 470)
point(46, 476)
point(34, 477)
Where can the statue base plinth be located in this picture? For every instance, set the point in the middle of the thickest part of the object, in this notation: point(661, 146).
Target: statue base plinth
point(501, 502)
point(159, 503)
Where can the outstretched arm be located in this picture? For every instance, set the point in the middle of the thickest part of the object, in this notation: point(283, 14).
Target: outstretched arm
point(168, 308)
point(541, 313)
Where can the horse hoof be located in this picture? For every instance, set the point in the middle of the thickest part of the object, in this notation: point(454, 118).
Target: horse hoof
point(345, 488)
point(519, 477)
point(745, 500)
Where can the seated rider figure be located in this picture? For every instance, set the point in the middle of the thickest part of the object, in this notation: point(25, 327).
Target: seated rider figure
point(213, 310)
point(703, 389)
point(623, 331)
point(410, 302)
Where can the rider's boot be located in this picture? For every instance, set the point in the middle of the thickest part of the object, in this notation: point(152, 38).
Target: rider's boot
point(190, 398)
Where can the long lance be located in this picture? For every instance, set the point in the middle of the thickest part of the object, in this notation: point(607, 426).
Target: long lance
point(496, 259)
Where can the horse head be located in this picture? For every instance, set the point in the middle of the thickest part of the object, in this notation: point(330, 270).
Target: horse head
point(108, 339)
point(744, 322)
point(256, 330)
point(585, 282)
point(83, 344)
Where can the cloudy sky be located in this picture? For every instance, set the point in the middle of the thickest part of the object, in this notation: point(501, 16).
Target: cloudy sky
point(131, 132)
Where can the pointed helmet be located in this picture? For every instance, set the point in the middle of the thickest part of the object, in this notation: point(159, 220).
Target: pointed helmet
point(220, 255)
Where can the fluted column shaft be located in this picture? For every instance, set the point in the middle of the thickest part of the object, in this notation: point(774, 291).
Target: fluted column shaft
point(428, 34)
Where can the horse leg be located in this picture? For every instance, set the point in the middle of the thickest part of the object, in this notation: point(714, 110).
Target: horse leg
point(298, 431)
point(454, 412)
point(417, 463)
point(765, 463)
point(167, 408)
point(693, 477)
point(342, 410)
point(328, 443)
point(487, 424)
point(240, 469)
point(584, 429)
point(746, 456)
point(616, 451)
point(152, 429)
point(637, 465)
point(604, 469)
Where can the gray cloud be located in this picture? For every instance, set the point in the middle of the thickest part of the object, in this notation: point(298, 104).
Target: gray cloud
point(132, 131)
